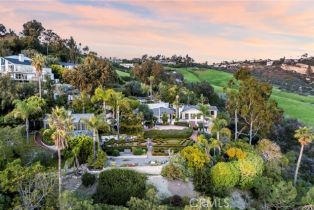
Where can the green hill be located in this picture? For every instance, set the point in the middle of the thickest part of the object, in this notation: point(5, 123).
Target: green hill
point(294, 105)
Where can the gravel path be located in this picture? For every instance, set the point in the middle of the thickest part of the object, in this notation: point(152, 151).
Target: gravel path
point(168, 188)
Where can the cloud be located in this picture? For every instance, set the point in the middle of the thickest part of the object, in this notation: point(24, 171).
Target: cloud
point(206, 30)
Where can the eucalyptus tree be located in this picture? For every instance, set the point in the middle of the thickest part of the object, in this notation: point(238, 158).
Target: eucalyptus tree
point(305, 136)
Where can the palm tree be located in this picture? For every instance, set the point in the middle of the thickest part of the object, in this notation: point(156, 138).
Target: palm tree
point(177, 104)
point(60, 122)
point(305, 136)
point(218, 125)
point(95, 123)
point(103, 96)
point(215, 144)
point(38, 63)
point(24, 109)
point(151, 81)
point(205, 112)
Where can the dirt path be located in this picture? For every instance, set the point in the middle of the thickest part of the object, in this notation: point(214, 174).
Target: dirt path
point(194, 135)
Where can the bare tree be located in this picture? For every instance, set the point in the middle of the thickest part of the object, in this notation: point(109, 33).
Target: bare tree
point(33, 191)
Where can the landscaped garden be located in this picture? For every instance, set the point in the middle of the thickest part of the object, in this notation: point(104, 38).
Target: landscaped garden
point(163, 141)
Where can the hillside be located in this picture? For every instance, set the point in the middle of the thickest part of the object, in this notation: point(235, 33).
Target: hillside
point(294, 105)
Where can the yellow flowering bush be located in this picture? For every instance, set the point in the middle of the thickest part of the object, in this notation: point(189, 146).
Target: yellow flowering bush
point(237, 153)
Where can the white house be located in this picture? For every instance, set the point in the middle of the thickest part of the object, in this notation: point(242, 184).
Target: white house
point(67, 65)
point(161, 108)
point(192, 115)
point(20, 68)
point(127, 65)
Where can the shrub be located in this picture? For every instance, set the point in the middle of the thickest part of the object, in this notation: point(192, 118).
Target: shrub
point(117, 186)
point(168, 134)
point(100, 160)
point(201, 180)
point(138, 151)
point(224, 176)
point(308, 199)
point(113, 152)
point(250, 168)
point(237, 153)
point(88, 179)
point(84, 144)
point(185, 124)
point(194, 156)
point(172, 171)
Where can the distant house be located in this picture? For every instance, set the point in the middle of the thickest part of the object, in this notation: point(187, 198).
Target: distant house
point(67, 65)
point(269, 63)
point(20, 68)
point(127, 65)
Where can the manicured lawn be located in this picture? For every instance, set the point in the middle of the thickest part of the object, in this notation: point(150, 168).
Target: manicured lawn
point(294, 105)
point(122, 73)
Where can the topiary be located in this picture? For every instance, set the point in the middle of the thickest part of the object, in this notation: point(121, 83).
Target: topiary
point(224, 176)
point(117, 186)
point(88, 179)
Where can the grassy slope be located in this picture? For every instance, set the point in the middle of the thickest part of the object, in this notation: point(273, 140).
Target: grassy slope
point(122, 73)
point(294, 105)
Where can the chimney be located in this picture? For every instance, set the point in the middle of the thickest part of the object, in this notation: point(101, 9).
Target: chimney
point(21, 57)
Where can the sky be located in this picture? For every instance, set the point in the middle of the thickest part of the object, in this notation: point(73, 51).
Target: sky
point(208, 30)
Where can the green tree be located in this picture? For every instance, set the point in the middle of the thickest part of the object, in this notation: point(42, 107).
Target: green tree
point(147, 69)
point(61, 123)
point(27, 108)
point(164, 118)
point(94, 72)
point(305, 136)
point(151, 82)
point(102, 95)
point(38, 62)
point(253, 105)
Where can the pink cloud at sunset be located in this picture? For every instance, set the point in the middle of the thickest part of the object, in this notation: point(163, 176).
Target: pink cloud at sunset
point(206, 30)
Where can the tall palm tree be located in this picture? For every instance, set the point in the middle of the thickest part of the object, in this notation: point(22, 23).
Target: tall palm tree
point(60, 122)
point(305, 136)
point(24, 109)
point(151, 81)
point(218, 125)
point(177, 104)
point(102, 95)
point(95, 123)
point(38, 62)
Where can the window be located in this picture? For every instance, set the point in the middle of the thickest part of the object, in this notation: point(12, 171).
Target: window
point(193, 116)
point(212, 113)
point(186, 116)
point(20, 76)
point(199, 116)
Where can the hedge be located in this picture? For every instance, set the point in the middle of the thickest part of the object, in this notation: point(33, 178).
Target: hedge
point(117, 186)
point(168, 134)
